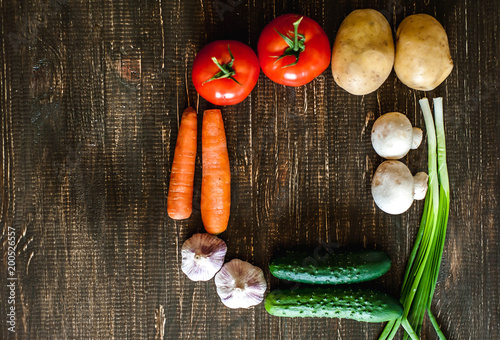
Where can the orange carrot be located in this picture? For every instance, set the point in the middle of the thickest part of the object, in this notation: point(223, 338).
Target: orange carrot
point(216, 174)
point(180, 192)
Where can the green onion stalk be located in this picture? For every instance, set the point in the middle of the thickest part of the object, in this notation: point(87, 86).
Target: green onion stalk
point(422, 271)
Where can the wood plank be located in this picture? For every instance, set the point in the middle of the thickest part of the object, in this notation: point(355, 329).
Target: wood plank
point(91, 96)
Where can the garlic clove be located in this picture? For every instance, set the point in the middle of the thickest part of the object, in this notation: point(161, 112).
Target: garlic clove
point(202, 256)
point(240, 284)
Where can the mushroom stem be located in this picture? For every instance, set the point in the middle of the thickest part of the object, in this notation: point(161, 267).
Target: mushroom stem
point(420, 181)
point(416, 138)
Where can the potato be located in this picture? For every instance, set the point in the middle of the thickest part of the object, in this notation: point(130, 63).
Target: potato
point(423, 58)
point(363, 53)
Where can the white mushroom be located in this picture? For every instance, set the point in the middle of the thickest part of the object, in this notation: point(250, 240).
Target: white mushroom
point(394, 188)
point(393, 136)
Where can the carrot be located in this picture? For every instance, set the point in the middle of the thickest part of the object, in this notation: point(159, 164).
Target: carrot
point(216, 174)
point(180, 192)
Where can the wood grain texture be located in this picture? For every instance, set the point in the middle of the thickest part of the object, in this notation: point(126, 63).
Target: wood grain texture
point(91, 97)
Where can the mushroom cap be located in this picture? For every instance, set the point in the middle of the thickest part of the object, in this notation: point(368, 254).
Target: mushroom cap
point(392, 135)
point(393, 187)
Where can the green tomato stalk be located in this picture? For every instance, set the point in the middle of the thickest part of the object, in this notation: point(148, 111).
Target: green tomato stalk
point(226, 70)
point(295, 44)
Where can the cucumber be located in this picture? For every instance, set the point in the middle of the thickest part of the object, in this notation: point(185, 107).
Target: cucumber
point(334, 302)
point(339, 267)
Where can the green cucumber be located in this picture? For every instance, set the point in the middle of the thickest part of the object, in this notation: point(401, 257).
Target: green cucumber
point(337, 267)
point(334, 302)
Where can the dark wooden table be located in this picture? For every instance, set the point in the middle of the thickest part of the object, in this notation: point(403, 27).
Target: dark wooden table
point(91, 93)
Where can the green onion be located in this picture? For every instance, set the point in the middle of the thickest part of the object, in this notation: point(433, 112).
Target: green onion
point(422, 271)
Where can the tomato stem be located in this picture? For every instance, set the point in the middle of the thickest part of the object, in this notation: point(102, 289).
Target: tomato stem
point(226, 70)
point(295, 46)
point(296, 34)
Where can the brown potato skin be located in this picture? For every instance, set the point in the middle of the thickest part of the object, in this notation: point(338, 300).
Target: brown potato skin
point(423, 59)
point(363, 52)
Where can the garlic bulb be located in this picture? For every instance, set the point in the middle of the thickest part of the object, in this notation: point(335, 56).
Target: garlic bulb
point(202, 256)
point(240, 284)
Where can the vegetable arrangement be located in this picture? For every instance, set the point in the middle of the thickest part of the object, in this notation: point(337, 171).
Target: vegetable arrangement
point(239, 284)
point(336, 267)
point(393, 186)
point(216, 180)
point(425, 258)
point(292, 51)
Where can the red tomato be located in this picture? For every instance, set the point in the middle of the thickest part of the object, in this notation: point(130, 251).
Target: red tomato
point(230, 77)
point(293, 51)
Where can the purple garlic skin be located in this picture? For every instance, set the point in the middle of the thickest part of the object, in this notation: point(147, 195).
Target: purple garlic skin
point(202, 256)
point(240, 284)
